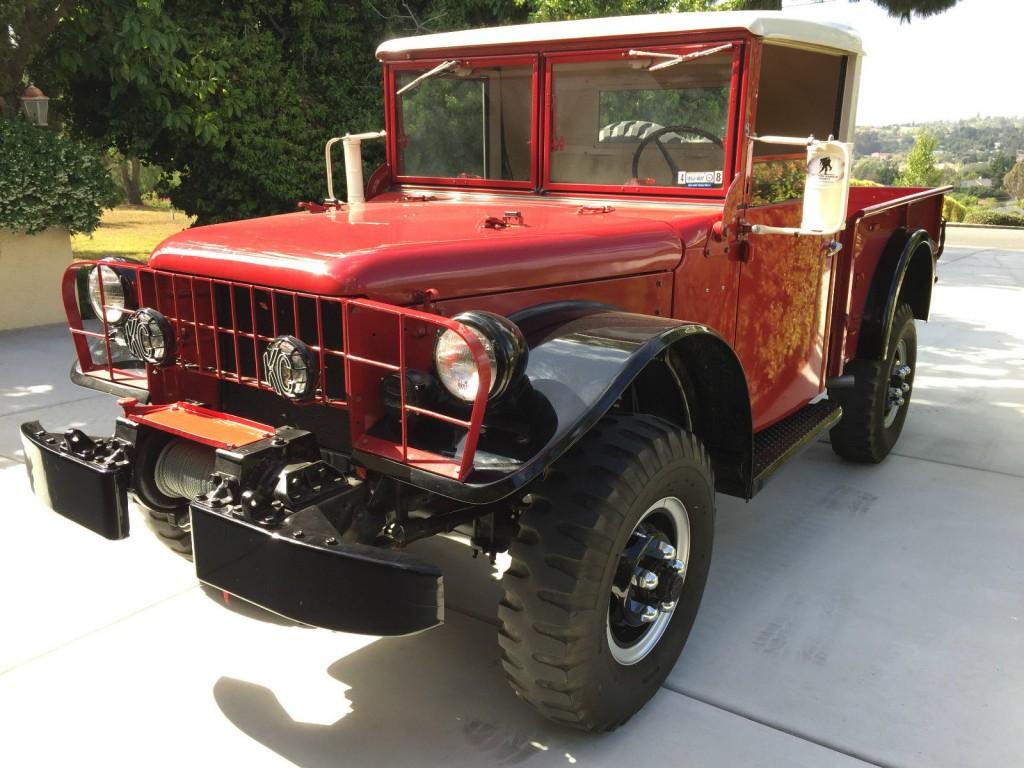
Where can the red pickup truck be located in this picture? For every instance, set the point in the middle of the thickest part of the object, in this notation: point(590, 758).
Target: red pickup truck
point(606, 271)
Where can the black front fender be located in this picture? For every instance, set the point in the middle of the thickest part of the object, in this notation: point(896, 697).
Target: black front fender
point(582, 359)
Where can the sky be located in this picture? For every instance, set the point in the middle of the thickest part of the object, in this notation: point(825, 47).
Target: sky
point(961, 63)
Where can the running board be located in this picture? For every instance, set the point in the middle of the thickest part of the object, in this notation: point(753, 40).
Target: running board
point(785, 439)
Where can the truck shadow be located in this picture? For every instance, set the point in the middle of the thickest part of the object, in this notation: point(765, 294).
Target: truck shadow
point(421, 700)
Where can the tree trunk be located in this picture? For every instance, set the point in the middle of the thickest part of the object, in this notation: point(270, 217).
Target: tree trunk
point(131, 179)
point(762, 5)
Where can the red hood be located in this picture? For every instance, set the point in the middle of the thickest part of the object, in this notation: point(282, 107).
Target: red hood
point(393, 251)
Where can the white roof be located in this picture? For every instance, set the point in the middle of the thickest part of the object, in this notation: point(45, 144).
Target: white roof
point(772, 25)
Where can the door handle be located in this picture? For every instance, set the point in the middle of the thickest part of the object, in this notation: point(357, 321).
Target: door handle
point(832, 247)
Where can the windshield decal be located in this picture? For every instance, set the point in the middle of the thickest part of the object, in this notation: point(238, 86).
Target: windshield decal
point(699, 179)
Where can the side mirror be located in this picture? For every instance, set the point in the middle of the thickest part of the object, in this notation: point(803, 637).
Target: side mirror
point(826, 187)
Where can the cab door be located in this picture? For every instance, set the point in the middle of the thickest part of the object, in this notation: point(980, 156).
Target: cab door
point(782, 321)
point(786, 282)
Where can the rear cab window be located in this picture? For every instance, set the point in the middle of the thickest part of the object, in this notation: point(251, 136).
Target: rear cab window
point(800, 94)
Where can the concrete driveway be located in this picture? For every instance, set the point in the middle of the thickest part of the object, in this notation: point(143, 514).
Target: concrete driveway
point(854, 615)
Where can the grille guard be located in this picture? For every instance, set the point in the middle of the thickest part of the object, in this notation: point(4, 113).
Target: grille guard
point(221, 328)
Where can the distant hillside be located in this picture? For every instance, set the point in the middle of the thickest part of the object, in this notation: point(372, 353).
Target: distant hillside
point(974, 140)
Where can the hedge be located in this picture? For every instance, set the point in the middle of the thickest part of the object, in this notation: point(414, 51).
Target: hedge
point(953, 210)
point(50, 180)
point(999, 218)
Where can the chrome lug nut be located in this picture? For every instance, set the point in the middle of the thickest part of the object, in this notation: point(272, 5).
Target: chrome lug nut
point(666, 550)
point(905, 387)
point(903, 371)
point(648, 614)
point(668, 606)
point(677, 566)
point(645, 579)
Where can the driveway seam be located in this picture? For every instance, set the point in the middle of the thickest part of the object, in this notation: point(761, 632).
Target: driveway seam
point(958, 466)
point(860, 756)
point(54, 405)
point(95, 630)
point(738, 713)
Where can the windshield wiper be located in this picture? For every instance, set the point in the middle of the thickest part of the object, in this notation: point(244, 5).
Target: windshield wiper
point(444, 66)
point(671, 59)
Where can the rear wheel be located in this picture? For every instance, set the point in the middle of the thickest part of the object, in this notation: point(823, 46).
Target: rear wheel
point(608, 570)
point(875, 410)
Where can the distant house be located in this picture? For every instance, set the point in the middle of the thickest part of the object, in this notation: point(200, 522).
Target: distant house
point(978, 183)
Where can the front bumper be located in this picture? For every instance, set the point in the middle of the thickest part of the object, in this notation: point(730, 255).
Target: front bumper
point(267, 532)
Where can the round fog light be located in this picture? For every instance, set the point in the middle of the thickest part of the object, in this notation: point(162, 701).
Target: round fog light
point(149, 336)
point(289, 368)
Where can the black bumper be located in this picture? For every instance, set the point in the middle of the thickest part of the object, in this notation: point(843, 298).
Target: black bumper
point(284, 554)
point(84, 479)
point(295, 572)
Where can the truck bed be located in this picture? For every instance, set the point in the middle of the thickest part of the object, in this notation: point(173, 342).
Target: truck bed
point(875, 214)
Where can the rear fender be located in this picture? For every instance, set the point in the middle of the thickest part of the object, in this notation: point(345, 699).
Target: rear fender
point(583, 359)
point(905, 273)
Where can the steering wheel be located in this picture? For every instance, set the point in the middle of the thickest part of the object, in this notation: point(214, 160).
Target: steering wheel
point(653, 136)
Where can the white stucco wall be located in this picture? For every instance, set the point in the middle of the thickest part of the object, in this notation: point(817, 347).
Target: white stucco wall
point(30, 271)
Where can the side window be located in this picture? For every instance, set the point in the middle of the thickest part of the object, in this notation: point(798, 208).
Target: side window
point(800, 93)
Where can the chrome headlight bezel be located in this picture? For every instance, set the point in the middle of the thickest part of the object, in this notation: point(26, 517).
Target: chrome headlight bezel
point(118, 288)
point(506, 349)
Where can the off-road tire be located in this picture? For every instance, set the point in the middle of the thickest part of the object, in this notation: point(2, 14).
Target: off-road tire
point(862, 435)
point(555, 612)
point(162, 509)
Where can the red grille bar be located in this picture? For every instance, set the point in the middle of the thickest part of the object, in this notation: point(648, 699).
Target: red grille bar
point(357, 342)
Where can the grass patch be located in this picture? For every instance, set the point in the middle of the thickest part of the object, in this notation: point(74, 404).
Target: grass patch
point(129, 232)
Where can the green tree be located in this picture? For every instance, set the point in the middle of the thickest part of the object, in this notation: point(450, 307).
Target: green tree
point(25, 27)
point(554, 10)
point(884, 170)
point(236, 105)
point(900, 9)
point(905, 9)
point(1013, 182)
point(919, 169)
point(998, 166)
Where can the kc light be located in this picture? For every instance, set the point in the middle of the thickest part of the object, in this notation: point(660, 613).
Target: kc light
point(289, 368)
point(149, 336)
point(506, 355)
point(115, 292)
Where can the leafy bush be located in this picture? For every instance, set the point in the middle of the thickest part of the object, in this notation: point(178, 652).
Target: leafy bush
point(953, 210)
point(49, 180)
point(1000, 218)
point(864, 183)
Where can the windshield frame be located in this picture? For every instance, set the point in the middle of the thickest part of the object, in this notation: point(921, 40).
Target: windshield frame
point(736, 91)
point(391, 74)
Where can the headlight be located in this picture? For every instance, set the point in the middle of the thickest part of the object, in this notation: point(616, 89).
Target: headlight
point(506, 354)
point(149, 336)
point(115, 292)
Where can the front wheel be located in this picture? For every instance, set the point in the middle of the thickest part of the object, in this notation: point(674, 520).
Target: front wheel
point(608, 570)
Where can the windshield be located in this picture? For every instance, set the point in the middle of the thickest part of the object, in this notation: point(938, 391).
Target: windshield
point(465, 122)
point(628, 122)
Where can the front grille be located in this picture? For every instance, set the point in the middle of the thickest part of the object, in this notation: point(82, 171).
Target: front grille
point(224, 328)
point(362, 347)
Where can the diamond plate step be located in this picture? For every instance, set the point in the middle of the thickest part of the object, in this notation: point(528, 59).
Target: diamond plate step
point(782, 441)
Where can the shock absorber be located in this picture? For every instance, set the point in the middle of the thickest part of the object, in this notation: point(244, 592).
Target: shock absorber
point(183, 469)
